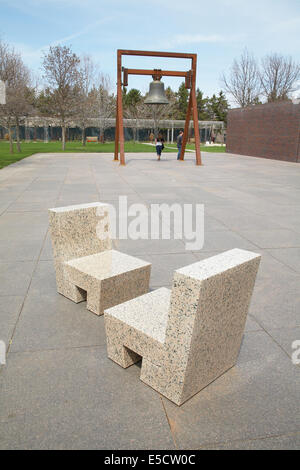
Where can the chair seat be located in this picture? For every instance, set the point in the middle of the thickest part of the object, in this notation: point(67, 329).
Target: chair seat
point(147, 313)
point(109, 278)
point(106, 264)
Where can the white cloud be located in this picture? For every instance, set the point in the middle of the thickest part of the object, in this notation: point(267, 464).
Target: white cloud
point(83, 31)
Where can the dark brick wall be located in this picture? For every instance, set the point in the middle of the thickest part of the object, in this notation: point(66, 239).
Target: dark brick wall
point(270, 130)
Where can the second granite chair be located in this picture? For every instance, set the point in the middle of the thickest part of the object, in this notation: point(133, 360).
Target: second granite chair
point(191, 335)
point(86, 266)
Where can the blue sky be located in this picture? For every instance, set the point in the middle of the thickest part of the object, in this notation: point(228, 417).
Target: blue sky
point(217, 31)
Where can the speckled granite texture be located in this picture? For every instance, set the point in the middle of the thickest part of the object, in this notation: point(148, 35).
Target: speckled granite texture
point(109, 278)
point(191, 335)
point(85, 265)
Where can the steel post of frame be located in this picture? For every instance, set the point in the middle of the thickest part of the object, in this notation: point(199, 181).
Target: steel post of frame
point(117, 132)
point(116, 157)
point(192, 107)
point(186, 127)
point(196, 128)
point(195, 113)
point(120, 131)
point(190, 77)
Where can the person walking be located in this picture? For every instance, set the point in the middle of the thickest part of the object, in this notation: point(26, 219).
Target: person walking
point(159, 144)
point(179, 144)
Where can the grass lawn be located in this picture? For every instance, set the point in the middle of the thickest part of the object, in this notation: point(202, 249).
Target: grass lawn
point(30, 148)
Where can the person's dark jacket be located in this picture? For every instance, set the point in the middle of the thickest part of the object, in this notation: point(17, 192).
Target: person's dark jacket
point(179, 141)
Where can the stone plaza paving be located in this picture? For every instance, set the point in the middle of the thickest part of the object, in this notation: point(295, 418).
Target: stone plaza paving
point(58, 389)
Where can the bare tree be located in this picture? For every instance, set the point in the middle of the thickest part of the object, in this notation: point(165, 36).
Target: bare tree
point(142, 112)
point(7, 72)
point(19, 95)
point(105, 104)
point(61, 67)
point(159, 112)
point(20, 98)
point(243, 81)
point(279, 76)
point(85, 104)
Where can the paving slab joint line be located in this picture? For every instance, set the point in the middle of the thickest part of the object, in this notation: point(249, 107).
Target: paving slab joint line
point(273, 339)
point(26, 294)
point(280, 261)
point(122, 177)
point(253, 439)
point(32, 274)
point(255, 244)
point(169, 422)
point(67, 348)
point(278, 344)
point(19, 195)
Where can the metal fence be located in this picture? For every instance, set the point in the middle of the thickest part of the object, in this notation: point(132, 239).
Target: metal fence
point(47, 129)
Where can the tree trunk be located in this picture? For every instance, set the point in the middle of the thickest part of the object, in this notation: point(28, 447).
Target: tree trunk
point(83, 136)
point(46, 135)
point(101, 135)
point(18, 135)
point(11, 144)
point(27, 133)
point(63, 136)
point(155, 121)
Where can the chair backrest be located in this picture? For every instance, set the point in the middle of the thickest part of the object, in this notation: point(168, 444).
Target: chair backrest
point(79, 230)
point(207, 315)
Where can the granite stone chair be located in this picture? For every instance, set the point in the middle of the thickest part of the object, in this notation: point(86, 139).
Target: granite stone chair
point(191, 335)
point(86, 266)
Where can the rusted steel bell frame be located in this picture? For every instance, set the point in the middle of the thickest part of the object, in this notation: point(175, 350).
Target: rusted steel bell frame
point(190, 83)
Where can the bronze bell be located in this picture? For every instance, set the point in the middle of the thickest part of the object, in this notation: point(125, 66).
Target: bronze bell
point(156, 93)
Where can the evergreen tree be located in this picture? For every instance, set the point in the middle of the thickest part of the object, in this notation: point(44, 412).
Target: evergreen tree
point(132, 98)
point(133, 101)
point(222, 107)
point(171, 108)
point(217, 107)
point(182, 101)
point(201, 105)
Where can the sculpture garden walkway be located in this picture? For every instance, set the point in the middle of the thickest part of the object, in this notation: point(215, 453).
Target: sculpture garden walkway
point(59, 390)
